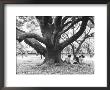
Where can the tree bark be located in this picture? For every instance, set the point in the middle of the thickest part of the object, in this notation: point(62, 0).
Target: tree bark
point(53, 57)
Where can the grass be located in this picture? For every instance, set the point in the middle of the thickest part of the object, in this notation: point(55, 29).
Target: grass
point(30, 67)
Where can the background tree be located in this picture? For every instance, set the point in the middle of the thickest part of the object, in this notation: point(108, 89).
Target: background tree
point(52, 28)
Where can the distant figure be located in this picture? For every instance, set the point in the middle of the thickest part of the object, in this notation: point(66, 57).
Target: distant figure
point(68, 59)
point(77, 60)
point(82, 56)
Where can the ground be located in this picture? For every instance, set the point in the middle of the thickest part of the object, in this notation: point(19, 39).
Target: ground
point(29, 65)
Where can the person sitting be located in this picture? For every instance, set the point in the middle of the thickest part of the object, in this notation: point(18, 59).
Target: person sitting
point(68, 59)
point(76, 60)
point(82, 56)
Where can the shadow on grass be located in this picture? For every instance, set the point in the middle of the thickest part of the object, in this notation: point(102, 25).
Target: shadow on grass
point(32, 68)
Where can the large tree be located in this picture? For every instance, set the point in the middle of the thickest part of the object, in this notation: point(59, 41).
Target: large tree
point(52, 28)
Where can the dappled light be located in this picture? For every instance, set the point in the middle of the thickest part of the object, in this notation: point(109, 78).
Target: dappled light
point(55, 44)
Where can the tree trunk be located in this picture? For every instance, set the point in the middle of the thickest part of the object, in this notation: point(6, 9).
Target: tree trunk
point(75, 55)
point(53, 57)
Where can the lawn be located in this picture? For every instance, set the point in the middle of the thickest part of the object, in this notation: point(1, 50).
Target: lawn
point(29, 65)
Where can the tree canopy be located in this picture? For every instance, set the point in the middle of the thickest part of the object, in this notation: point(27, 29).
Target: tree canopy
point(51, 29)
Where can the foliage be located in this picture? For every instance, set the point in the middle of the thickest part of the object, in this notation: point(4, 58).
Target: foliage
point(52, 28)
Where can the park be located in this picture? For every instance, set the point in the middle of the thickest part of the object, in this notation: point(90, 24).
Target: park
point(55, 45)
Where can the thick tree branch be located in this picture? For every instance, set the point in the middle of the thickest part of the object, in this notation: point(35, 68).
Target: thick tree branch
point(57, 23)
point(72, 24)
point(76, 36)
point(77, 50)
point(72, 45)
point(31, 41)
point(64, 19)
point(66, 24)
point(91, 19)
point(23, 35)
point(36, 45)
point(56, 30)
point(47, 20)
point(44, 20)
